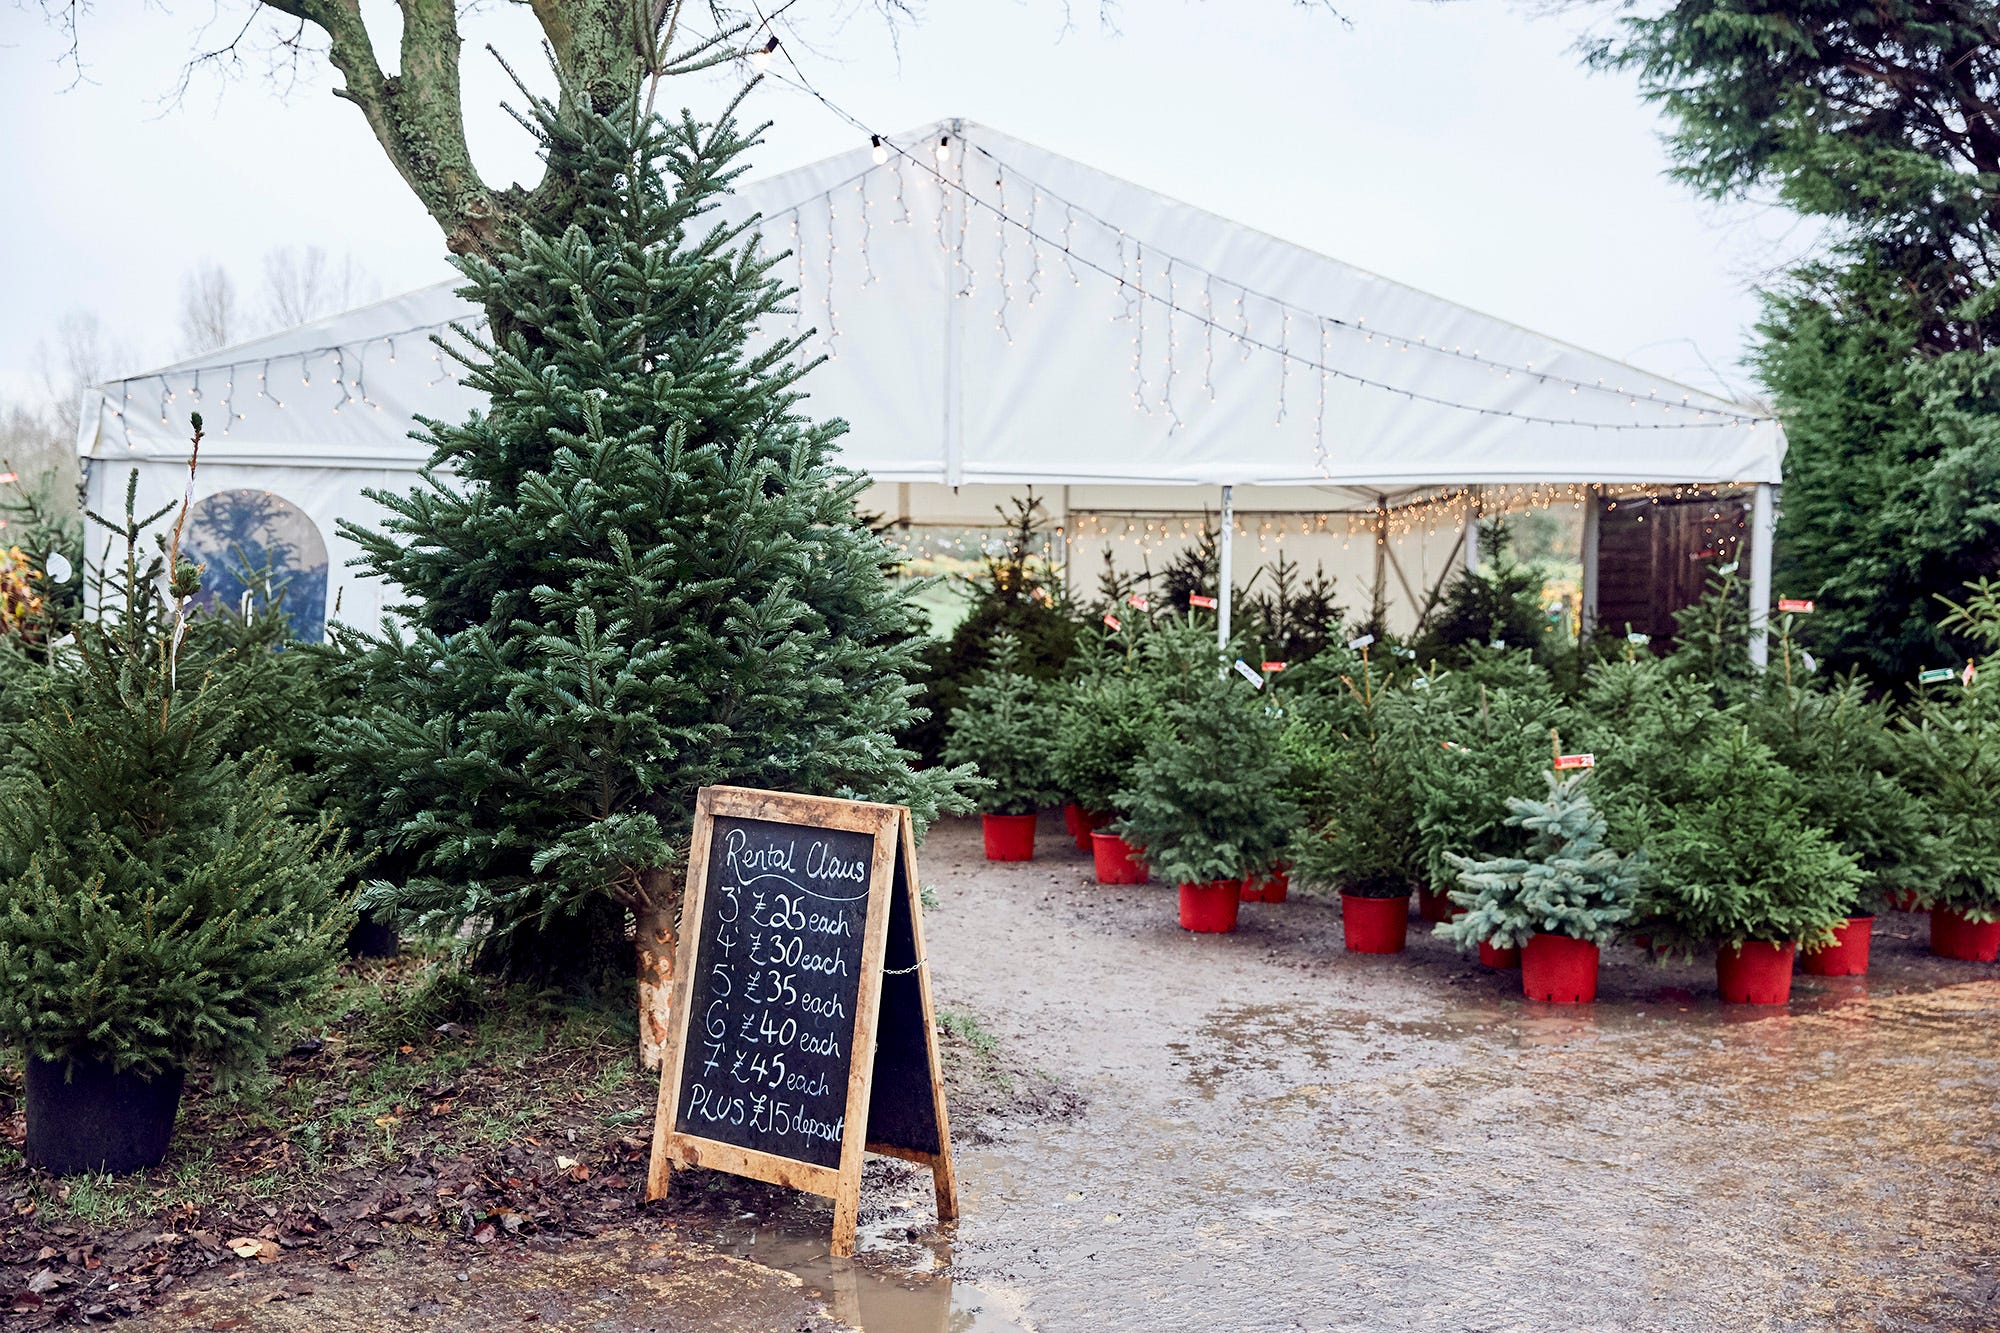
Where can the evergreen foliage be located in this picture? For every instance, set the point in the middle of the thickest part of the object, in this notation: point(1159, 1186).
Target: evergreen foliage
point(1564, 882)
point(1951, 755)
point(1005, 727)
point(1101, 729)
point(1736, 858)
point(1294, 619)
point(1016, 592)
point(1647, 728)
point(1470, 746)
point(636, 573)
point(1206, 801)
point(1499, 603)
point(1839, 746)
point(1366, 838)
point(1882, 123)
point(1712, 638)
point(160, 906)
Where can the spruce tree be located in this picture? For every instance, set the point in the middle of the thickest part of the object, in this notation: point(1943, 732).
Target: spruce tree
point(637, 572)
point(160, 905)
point(1005, 727)
point(1566, 881)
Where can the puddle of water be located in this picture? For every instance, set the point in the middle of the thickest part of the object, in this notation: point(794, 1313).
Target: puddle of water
point(899, 1286)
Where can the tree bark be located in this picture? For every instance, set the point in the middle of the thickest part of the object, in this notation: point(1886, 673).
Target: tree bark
point(656, 939)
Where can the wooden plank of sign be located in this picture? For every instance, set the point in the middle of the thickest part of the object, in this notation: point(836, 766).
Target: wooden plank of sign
point(944, 1176)
point(854, 1141)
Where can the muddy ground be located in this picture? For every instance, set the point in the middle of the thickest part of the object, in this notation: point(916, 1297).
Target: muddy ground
point(1172, 1131)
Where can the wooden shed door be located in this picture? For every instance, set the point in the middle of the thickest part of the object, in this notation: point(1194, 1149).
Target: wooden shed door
point(1654, 556)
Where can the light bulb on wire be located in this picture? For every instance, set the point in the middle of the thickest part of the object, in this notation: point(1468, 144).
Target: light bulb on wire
point(881, 153)
point(944, 148)
point(760, 59)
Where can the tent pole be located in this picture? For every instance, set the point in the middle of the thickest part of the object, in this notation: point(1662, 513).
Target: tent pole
point(1586, 621)
point(1472, 531)
point(1763, 529)
point(954, 329)
point(1225, 562)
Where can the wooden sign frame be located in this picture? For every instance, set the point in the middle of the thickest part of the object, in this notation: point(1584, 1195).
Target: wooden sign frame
point(892, 873)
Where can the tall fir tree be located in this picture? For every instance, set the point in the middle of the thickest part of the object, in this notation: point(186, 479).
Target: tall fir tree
point(637, 572)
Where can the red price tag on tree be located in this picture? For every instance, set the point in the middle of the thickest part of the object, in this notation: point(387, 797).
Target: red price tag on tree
point(1801, 605)
point(1576, 761)
point(1205, 603)
point(1112, 621)
point(1274, 666)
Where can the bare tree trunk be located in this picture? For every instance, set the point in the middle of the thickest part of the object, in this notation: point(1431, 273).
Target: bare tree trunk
point(656, 939)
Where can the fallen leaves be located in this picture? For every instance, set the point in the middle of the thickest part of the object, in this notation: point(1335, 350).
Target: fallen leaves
point(255, 1247)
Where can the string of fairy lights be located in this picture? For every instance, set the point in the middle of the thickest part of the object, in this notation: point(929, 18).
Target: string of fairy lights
point(1155, 531)
point(1181, 318)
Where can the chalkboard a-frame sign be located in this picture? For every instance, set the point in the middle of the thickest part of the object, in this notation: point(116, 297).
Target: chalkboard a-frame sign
point(803, 1034)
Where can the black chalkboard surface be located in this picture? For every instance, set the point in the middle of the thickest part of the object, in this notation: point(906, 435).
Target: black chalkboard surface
point(803, 1033)
point(776, 987)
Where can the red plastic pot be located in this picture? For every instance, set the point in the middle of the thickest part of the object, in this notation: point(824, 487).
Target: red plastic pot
point(1009, 837)
point(1952, 936)
point(1435, 905)
point(1559, 969)
point(1081, 823)
point(1755, 972)
point(1118, 862)
point(1374, 925)
point(1270, 888)
point(1499, 958)
point(1847, 956)
point(1210, 908)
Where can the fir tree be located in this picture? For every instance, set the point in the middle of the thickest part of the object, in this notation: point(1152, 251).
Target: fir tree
point(1005, 728)
point(1736, 858)
point(1364, 837)
point(636, 573)
point(1950, 745)
point(1016, 591)
point(1106, 719)
point(1565, 882)
point(1207, 799)
point(159, 904)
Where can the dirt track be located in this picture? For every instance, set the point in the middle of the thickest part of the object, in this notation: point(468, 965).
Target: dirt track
point(1278, 1134)
point(1263, 1131)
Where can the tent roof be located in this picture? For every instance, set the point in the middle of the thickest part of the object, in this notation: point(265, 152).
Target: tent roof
point(1010, 315)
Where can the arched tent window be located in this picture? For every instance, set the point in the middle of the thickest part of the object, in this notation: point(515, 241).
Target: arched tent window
point(261, 545)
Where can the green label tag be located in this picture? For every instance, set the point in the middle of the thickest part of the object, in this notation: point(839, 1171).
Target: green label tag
point(1935, 675)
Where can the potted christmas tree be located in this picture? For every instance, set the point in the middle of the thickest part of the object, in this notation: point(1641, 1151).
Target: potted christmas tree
point(1951, 753)
point(1101, 732)
point(1206, 799)
point(1837, 743)
point(1472, 746)
point(160, 907)
point(1558, 903)
point(1365, 839)
point(1004, 728)
point(1739, 867)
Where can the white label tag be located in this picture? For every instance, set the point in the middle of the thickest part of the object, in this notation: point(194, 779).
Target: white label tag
point(1357, 644)
point(1249, 673)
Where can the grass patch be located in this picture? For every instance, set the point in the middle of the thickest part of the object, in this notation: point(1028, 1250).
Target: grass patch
point(966, 1026)
point(420, 1059)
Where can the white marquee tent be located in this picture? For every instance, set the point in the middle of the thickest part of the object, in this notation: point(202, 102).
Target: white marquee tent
point(994, 315)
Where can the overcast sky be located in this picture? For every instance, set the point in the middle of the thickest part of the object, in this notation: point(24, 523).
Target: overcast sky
point(1457, 147)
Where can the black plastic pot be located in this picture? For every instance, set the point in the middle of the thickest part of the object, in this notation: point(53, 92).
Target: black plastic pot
point(371, 938)
point(97, 1120)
